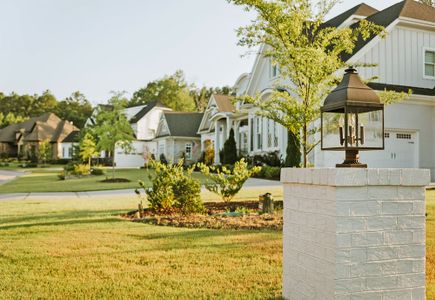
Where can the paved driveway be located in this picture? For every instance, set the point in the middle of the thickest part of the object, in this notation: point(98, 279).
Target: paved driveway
point(6, 176)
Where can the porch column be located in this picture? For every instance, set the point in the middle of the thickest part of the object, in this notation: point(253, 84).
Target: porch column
point(217, 142)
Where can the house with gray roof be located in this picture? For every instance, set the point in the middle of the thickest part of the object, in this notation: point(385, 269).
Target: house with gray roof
point(177, 136)
point(24, 138)
point(144, 120)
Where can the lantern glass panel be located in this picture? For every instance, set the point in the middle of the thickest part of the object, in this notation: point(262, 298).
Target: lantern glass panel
point(333, 123)
point(372, 125)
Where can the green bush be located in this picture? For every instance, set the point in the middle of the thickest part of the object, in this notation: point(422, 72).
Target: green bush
point(271, 172)
point(97, 171)
point(293, 152)
point(29, 165)
point(62, 175)
point(163, 159)
point(173, 189)
point(81, 170)
point(230, 150)
point(225, 182)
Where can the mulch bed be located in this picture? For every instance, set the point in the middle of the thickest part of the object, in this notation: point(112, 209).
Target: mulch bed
point(115, 180)
point(220, 216)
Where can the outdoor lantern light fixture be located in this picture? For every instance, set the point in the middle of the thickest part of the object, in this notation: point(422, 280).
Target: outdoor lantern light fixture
point(352, 120)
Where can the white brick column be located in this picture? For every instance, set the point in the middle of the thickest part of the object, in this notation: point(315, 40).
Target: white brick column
point(354, 233)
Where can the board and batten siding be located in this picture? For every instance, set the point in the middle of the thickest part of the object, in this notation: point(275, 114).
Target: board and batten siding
point(400, 58)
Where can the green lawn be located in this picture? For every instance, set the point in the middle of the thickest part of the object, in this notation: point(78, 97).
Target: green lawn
point(81, 249)
point(60, 249)
point(46, 180)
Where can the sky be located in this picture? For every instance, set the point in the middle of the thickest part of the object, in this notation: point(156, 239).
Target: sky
point(99, 46)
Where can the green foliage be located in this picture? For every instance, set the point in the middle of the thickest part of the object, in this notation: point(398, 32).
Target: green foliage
point(75, 108)
point(230, 149)
point(44, 151)
point(267, 159)
point(163, 159)
point(173, 189)
point(271, 173)
point(171, 91)
point(227, 183)
point(308, 55)
point(88, 148)
point(293, 155)
point(208, 153)
point(81, 170)
point(113, 129)
point(97, 171)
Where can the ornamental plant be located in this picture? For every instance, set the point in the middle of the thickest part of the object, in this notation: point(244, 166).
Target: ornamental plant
point(225, 182)
point(173, 189)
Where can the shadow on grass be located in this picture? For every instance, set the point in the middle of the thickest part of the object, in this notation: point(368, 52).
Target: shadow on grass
point(60, 216)
point(64, 222)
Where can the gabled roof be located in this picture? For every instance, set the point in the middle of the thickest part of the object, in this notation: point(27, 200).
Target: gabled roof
point(73, 137)
point(36, 129)
point(359, 10)
point(224, 103)
point(144, 110)
point(182, 124)
point(408, 9)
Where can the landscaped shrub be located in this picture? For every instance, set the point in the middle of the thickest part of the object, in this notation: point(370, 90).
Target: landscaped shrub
point(230, 150)
point(29, 165)
point(293, 152)
point(267, 172)
point(173, 189)
point(163, 159)
point(227, 183)
point(61, 161)
point(271, 159)
point(97, 171)
point(81, 170)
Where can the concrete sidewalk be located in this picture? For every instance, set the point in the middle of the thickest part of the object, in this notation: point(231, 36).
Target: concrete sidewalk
point(251, 183)
point(6, 175)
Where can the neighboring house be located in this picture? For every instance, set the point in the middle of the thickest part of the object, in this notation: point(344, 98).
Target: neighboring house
point(68, 144)
point(405, 60)
point(23, 139)
point(177, 136)
point(144, 120)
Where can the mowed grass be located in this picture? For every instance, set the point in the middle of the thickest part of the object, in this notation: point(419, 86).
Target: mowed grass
point(81, 249)
point(46, 180)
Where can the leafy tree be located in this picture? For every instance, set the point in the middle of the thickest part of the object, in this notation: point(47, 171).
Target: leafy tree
point(75, 108)
point(209, 153)
point(171, 91)
point(44, 151)
point(230, 150)
point(88, 148)
point(308, 55)
point(201, 96)
point(44, 103)
point(293, 155)
point(113, 129)
point(227, 183)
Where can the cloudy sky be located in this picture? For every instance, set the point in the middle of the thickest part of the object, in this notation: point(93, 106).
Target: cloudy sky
point(97, 46)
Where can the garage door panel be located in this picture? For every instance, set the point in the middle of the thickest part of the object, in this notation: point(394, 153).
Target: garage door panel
point(401, 150)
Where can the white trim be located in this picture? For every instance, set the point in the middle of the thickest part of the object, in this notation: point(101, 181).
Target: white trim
point(429, 49)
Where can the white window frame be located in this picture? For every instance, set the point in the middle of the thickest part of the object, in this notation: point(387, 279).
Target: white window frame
point(188, 153)
point(273, 69)
point(427, 49)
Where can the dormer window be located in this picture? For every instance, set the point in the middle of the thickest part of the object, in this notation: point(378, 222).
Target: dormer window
point(429, 63)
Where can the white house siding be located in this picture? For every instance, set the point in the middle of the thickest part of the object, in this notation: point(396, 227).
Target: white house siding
point(147, 126)
point(66, 150)
point(400, 58)
point(133, 159)
point(174, 148)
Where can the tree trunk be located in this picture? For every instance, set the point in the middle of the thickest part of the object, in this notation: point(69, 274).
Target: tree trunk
point(113, 163)
point(304, 144)
point(89, 162)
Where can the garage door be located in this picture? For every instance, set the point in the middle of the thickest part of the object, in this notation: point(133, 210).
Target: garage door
point(401, 151)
